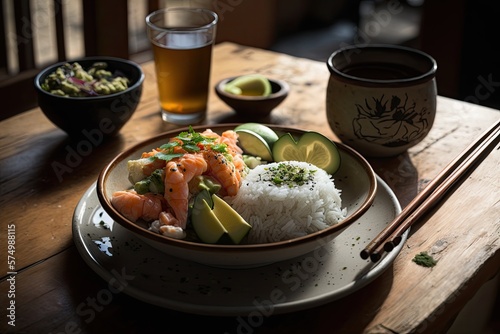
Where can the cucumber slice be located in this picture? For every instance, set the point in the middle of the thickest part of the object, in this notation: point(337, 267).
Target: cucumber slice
point(312, 147)
point(253, 144)
point(262, 130)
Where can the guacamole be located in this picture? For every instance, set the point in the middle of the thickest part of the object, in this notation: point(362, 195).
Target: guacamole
point(74, 81)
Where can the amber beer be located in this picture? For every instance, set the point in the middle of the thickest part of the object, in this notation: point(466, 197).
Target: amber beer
point(183, 77)
point(182, 40)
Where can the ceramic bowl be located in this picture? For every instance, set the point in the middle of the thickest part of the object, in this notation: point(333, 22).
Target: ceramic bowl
point(253, 107)
point(107, 114)
point(381, 99)
point(355, 179)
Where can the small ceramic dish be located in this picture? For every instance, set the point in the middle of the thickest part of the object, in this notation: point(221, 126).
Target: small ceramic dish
point(355, 179)
point(253, 106)
point(104, 113)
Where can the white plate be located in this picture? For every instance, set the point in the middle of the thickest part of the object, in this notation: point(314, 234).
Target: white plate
point(329, 273)
point(355, 179)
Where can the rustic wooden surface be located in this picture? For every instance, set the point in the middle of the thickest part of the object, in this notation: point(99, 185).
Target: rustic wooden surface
point(53, 282)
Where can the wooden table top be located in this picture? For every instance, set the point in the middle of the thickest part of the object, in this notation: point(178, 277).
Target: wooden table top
point(53, 284)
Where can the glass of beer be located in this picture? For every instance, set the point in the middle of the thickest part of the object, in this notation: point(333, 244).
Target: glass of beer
point(182, 40)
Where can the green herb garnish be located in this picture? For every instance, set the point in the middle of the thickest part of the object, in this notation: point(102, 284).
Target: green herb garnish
point(190, 141)
point(221, 148)
point(166, 157)
point(286, 174)
point(169, 145)
point(425, 260)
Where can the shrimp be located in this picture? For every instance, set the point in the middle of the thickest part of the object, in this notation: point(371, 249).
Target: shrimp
point(170, 226)
point(230, 138)
point(171, 231)
point(178, 173)
point(151, 165)
point(240, 165)
point(223, 170)
point(167, 218)
point(134, 206)
point(210, 134)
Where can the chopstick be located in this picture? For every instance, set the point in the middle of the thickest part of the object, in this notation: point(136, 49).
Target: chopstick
point(391, 236)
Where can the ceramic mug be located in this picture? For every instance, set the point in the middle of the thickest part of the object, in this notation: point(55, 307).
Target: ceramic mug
point(381, 99)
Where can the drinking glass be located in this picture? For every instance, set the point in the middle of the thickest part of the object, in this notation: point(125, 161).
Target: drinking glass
point(182, 40)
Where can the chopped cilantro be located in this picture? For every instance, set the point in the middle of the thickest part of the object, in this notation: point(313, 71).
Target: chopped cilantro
point(167, 157)
point(190, 141)
point(425, 260)
point(191, 147)
point(169, 145)
point(221, 148)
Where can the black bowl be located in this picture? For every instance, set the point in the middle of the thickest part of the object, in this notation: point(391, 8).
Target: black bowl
point(253, 107)
point(79, 116)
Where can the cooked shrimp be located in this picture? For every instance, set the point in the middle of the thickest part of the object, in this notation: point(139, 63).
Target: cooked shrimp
point(223, 170)
point(154, 164)
point(230, 138)
point(169, 226)
point(167, 218)
point(240, 165)
point(210, 134)
point(178, 173)
point(171, 231)
point(134, 206)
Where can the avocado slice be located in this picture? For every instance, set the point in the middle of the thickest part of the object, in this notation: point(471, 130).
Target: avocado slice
point(215, 221)
point(204, 221)
point(236, 227)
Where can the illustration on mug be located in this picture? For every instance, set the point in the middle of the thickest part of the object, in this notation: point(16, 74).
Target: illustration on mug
point(390, 122)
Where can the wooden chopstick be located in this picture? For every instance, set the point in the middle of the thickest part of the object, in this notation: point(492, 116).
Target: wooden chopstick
point(435, 190)
point(395, 238)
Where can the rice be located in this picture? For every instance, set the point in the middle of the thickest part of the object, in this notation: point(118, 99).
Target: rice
point(304, 201)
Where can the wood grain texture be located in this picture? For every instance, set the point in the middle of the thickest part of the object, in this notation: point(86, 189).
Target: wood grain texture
point(463, 233)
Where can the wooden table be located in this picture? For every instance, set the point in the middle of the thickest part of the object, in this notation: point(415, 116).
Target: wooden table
point(53, 283)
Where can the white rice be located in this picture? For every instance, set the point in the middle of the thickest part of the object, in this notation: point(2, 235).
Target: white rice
point(286, 211)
